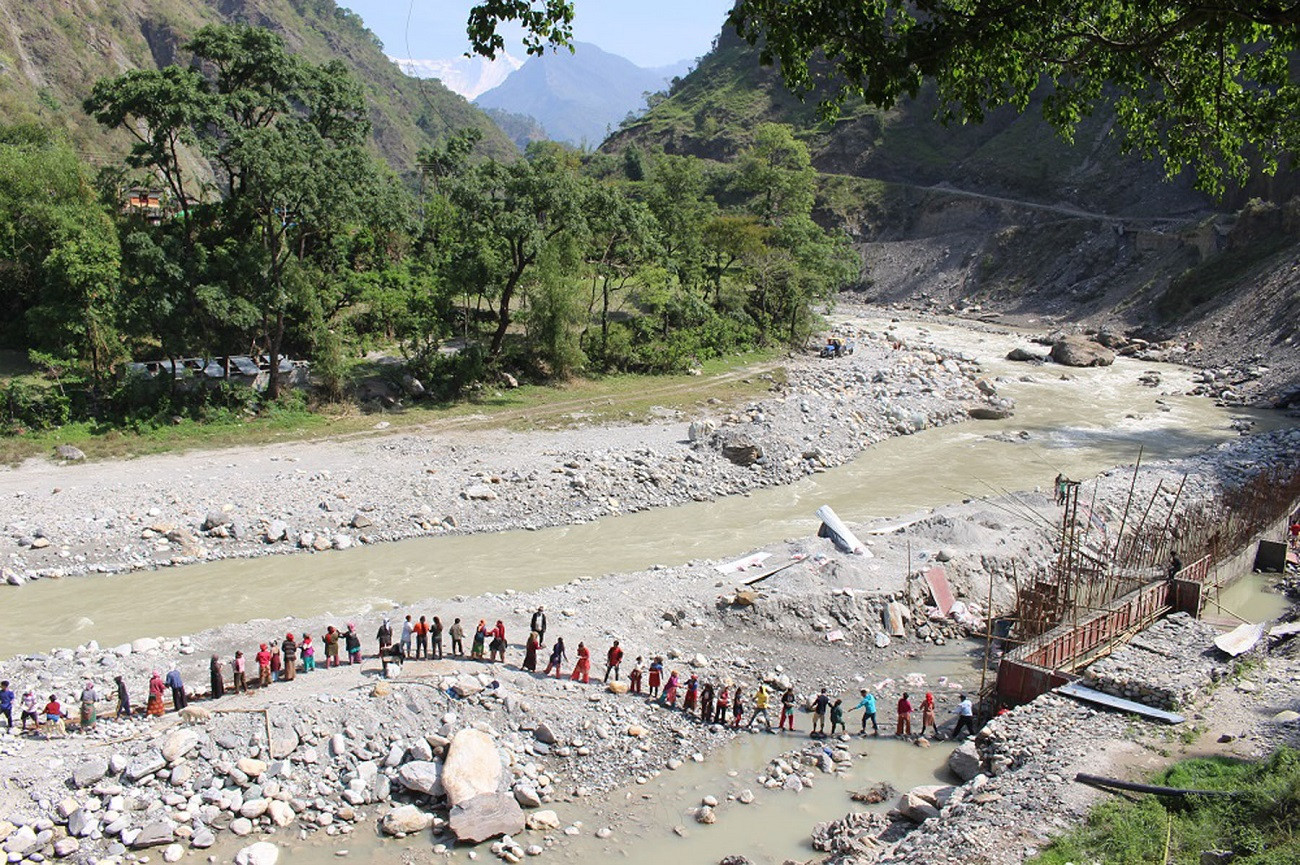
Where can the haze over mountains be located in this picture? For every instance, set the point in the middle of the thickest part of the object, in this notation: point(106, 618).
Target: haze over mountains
point(577, 98)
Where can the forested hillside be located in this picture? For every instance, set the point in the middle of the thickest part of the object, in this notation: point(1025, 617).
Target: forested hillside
point(1007, 217)
point(52, 51)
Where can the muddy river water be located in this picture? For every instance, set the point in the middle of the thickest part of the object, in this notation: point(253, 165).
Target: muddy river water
point(1078, 421)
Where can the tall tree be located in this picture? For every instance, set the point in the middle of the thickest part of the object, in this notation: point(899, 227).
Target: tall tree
point(510, 213)
point(286, 139)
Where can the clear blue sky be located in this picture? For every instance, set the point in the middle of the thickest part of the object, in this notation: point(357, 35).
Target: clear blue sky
point(647, 32)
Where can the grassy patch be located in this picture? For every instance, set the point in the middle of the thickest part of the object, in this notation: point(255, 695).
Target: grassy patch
point(1258, 825)
point(626, 398)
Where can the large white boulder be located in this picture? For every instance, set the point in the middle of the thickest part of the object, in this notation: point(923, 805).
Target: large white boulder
point(473, 767)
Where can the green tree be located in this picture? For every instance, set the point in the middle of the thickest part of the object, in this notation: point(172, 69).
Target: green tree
point(620, 243)
point(509, 214)
point(286, 139)
point(776, 172)
point(1202, 83)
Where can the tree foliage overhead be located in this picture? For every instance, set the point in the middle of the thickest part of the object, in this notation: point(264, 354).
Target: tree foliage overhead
point(1206, 84)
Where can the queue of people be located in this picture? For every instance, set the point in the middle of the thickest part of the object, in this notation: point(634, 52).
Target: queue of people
point(711, 702)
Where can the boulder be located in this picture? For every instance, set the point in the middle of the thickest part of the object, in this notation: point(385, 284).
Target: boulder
point(526, 796)
point(21, 841)
point(1080, 351)
point(81, 823)
point(69, 453)
point(154, 835)
point(279, 812)
point(965, 761)
point(1024, 354)
point(251, 766)
point(203, 838)
point(178, 743)
point(261, 853)
point(422, 776)
point(144, 765)
point(90, 772)
point(466, 686)
point(144, 644)
point(485, 816)
point(617, 687)
point(543, 821)
point(996, 408)
point(915, 808)
point(700, 430)
point(472, 768)
point(543, 734)
point(479, 492)
point(406, 820)
point(283, 742)
point(742, 450)
point(65, 847)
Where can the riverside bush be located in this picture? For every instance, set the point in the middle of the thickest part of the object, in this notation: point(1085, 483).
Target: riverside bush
point(1258, 824)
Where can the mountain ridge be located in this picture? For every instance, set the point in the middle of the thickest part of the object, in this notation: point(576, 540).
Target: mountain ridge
point(60, 49)
point(578, 97)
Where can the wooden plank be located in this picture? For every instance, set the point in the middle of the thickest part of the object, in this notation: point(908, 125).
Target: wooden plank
point(1088, 695)
point(937, 580)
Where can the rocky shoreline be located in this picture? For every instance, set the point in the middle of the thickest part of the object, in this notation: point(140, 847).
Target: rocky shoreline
point(313, 496)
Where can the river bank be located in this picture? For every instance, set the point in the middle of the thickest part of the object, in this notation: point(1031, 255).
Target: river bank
point(78, 518)
point(335, 748)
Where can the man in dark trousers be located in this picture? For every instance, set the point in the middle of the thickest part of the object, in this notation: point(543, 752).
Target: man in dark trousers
point(538, 624)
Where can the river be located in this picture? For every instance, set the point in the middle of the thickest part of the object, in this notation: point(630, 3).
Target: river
point(1077, 421)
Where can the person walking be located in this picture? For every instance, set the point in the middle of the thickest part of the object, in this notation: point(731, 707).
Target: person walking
point(29, 709)
point(331, 646)
point(7, 703)
point(422, 639)
point(408, 630)
point(530, 652)
point(457, 634)
point(263, 659)
point(240, 673)
point(692, 694)
point(89, 697)
point(837, 715)
point(904, 726)
point(965, 717)
point(497, 647)
point(435, 638)
point(927, 715)
point(177, 686)
point(154, 707)
point(558, 657)
point(820, 705)
point(582, 669)
point(787, 710)
point(352, 642)
point(123, 698)
point(707, 703)
point(384, 636)
point(277, 665)
point(737, 708)
point(613, 660)
point(635, 676)
point(480, 640)
point(722, 705)
point(290, 649)
point(538, 624)
point(656, 676)
point(214, 675)
point(760, 708)
point(670, 691)
point(868, 706)
point(308, 654)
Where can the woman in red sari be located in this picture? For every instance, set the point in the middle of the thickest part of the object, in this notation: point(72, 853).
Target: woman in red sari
point(155, 705)
point(582, 669)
